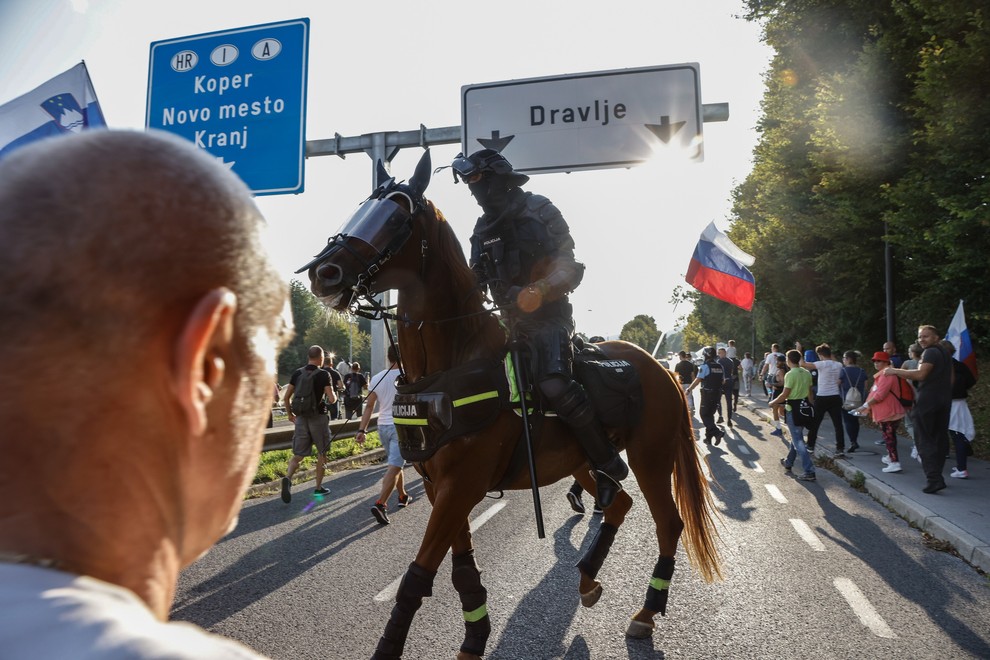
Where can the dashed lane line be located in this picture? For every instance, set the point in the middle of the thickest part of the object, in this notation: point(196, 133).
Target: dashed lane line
point(743, 449)
point(805, 533)
point(775, 493)
point(868, 616)
point(388, 593)
point(754, 466)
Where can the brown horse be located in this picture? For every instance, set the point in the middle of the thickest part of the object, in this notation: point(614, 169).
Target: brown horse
point(399, 240)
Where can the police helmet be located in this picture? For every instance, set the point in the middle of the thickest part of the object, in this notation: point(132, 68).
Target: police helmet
point(708, 353)
point(487, 162)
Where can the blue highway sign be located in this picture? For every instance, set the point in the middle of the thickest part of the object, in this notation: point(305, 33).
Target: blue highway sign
point(239, 94)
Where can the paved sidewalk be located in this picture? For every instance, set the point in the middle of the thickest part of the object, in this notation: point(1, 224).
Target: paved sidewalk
point(959, 515)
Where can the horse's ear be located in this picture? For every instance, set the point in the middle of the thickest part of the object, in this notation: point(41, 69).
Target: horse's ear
point(420, 180)
point(383, 174)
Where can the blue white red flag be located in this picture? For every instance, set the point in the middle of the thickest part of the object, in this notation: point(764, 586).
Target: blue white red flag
point(65, 104)
point(719, 268)
point(958, 334)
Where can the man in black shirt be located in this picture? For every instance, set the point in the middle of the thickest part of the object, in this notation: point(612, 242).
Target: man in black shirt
point(354, 384)
point(311, 429)
point(336, 382)
point(686, 372)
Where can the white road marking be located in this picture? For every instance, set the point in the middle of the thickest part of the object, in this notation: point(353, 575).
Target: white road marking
point(756, 467)
point(863, 609)
point(388, 593)
point(743, 449)
point(776, 494)
point(805, 533)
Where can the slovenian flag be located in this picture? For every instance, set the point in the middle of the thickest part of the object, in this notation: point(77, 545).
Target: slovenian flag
point(719, 268)
point(958, 334)
point(65, 104)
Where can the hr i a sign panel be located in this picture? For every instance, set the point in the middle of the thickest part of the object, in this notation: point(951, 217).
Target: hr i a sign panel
point(239, 94)
point(589, 120)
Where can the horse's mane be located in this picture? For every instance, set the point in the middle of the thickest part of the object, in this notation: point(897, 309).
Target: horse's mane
point(465, 290)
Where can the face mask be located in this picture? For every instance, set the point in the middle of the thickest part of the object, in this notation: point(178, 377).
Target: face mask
point(491, 193)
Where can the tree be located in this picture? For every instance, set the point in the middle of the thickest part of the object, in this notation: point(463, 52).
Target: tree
point(642, 331)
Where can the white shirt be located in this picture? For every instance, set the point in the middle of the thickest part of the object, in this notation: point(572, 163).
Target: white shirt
point(51, 614)
point(747, 366)
point(771, 363)
point(829, 372)
point(730, 352)
point(383, 385)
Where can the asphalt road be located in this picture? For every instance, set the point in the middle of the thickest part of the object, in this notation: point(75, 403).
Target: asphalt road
point(814, 570)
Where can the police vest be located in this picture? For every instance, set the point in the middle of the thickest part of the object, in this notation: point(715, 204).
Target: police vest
point(713, 381)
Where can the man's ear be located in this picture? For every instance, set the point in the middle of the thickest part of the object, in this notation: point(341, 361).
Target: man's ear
point(203, 341)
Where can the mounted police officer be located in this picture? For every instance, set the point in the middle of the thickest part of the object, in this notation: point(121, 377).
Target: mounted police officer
point(711, 377)
point(522, 251)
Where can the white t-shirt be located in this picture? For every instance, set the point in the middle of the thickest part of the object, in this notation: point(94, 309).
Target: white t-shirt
point(51, 614)
point(730, 352)
point(747, 366)
point(771, 363)
point(829, 372)
point(383, 385)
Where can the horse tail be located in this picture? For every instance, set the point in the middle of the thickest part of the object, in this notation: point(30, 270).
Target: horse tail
point(695, 503)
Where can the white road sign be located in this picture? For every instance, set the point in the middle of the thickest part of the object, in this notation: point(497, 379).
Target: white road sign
point(586, 121)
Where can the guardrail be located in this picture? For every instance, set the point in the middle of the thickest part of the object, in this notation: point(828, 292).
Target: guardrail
point(281, 437)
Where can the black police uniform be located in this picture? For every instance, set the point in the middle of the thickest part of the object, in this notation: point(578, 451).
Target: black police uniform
point(522, 240)
point(711, 392)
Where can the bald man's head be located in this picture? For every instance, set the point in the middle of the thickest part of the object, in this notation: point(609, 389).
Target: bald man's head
point(109, 235)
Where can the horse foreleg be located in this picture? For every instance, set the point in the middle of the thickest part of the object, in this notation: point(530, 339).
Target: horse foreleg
point(589, 588)
point(474, 602)
point(416, 583)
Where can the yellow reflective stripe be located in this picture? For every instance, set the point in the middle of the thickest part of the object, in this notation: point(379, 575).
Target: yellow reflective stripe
point(475, 398)
point(409, 421)
point(659, 583)
point(476, 615)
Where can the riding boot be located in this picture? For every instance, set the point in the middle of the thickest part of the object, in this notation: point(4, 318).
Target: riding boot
point(574, 409)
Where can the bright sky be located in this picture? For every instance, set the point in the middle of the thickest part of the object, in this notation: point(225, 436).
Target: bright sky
point(391, 66)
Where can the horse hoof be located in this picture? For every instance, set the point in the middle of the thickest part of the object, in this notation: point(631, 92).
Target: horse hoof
point(639, 630)
point(589, 599)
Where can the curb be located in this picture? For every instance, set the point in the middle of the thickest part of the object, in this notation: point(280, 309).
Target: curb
point(346, 463)
point(973, 550)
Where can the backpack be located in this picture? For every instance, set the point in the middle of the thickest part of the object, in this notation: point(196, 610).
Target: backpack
point(905, 392)
point(305, 402)
point(853, 398)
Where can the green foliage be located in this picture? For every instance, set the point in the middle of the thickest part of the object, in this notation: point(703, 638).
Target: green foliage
point(272, 464)
point(641, 331)
point(317, 325)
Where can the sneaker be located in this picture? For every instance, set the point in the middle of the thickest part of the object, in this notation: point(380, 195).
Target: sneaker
point(853, 447)
point(378, 511)
point(322, 490)
point(718, 439)
point(893, 467)
point(914, 454)
point(787, 468)
point(730, 423)
point(286, 493)
point(885, 460)
point(719, 420)
point(405, 501)
point(597, 510)
point(811, 447)
point(839, 454)
point(777, 432)
point(810, 476)
point(575, 501)
point(959, 474)
point(879, 442)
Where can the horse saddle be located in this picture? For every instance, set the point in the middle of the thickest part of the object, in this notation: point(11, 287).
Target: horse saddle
point(468, 398)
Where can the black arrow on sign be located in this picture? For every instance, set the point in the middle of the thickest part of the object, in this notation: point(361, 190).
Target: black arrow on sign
point(665, 130)
point(496, 142)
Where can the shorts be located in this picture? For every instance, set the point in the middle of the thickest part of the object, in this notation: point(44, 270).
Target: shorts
point(390, 443)
point(311, 430)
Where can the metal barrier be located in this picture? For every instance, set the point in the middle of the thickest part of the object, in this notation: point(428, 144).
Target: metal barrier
point(281, 437)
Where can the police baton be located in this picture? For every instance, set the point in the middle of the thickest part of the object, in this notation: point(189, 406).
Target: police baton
point(518, 369)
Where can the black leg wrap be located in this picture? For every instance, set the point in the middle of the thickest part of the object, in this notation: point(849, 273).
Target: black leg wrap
point(592, 561)
point(474, 602)
point(656, 594)
point(416, 584)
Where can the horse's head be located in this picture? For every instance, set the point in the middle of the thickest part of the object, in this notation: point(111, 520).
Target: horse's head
point(352, 263)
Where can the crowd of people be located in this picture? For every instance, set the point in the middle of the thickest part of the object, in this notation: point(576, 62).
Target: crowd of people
point(927, 391)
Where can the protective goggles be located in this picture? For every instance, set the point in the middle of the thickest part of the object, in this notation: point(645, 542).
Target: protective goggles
point(465, 169)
